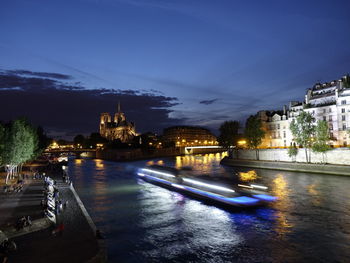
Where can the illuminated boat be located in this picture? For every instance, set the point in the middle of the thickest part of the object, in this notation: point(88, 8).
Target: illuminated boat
point(174, 179)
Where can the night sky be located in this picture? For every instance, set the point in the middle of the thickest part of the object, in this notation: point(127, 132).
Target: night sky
point(168, 62)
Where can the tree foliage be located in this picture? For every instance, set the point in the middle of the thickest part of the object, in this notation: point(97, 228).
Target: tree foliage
point(79, 139)
point(2, 142)
point(228, 134)
point(303, 128)
point(346, 82)
point(292, 151)
point(254, 133)
point(19, 143)
point(322, 137)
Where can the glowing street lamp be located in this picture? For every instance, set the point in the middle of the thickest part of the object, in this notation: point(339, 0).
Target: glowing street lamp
point(242, 142)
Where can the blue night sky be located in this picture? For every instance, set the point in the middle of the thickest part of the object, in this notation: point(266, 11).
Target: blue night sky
point(169, 62)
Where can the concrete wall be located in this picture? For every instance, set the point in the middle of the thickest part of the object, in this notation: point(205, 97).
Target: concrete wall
point(334, 156)
point(288, 166)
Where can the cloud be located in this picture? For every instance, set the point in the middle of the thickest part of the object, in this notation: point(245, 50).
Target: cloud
point(208, 102)
point(69, 108)
point(39, 74)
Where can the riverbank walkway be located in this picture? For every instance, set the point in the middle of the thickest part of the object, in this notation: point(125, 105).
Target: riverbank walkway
point(78, 242)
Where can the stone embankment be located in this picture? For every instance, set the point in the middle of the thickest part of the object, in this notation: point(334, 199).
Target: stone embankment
point(338, 156)
point(289, 166)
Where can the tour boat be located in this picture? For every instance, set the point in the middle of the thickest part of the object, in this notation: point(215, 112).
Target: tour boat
point(178, 180)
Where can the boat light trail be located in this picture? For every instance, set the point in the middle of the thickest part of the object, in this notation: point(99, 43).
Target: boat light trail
point(208, 185)
point(259, 186)
point(156, 172)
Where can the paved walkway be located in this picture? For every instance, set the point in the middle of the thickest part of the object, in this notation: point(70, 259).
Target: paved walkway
point(16, 205)
point(78, 242)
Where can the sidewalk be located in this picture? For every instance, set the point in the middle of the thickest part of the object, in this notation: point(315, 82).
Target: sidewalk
point(78, 242)
point(16, 205)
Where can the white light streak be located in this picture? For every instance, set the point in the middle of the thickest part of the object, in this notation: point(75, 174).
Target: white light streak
point(156, 172)
point(245, 186)
point(178, 186)
point(259, 186)
point(209, 185)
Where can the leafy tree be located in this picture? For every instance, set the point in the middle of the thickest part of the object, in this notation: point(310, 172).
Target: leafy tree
point(303, 128)
point(228, 134)
point(2, 142)
point(254, 133)
point(321, 139)
point(79, 139)
point(346, 82)
point(19, 144)
point(96, 138)
point(43, 140)
point(292, 152)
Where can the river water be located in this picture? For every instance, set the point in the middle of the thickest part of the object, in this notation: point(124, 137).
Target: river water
point(146, 223)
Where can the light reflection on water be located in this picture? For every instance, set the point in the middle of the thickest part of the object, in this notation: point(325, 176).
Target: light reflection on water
point(146, 223)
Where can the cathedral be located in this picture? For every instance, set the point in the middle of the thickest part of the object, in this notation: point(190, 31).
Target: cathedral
point(119, 128)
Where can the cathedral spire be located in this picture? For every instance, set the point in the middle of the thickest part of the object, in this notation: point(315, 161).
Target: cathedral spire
point(118, 106)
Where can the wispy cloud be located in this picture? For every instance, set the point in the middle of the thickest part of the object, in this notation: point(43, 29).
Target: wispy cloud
point(208, 102)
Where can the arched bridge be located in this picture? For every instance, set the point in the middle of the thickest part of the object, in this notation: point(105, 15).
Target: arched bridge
point(203, 149)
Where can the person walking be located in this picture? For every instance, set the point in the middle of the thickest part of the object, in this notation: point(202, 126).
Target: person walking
point(61, 229)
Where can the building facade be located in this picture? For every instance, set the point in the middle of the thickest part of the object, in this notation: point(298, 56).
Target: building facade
point(118, 128)
point(182, 136)
point(328, 101)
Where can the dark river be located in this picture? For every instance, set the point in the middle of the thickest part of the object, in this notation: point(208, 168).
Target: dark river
point(147, 223)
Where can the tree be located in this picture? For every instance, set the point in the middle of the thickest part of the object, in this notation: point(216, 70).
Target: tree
point(19, 144)
point(2, 142)
point(254, 133)
point(43, 140)
point(228, 134)
point(292, 152)
point(79, 139)
point(346, 82)
point(94, 139)
point(321, 139)
point(303, 128)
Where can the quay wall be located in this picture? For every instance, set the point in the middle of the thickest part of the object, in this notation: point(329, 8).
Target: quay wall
point(101, 256)
point(289, 166)
point(338, 156)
